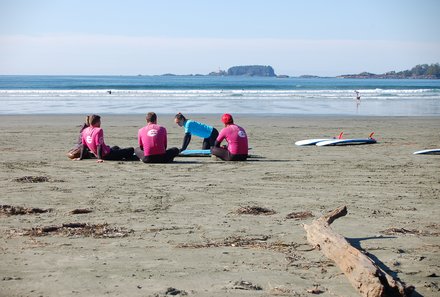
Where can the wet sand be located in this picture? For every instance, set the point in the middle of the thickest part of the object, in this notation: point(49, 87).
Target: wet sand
point(176, 229)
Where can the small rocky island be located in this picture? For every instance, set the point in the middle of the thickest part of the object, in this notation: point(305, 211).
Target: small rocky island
point(251, 70)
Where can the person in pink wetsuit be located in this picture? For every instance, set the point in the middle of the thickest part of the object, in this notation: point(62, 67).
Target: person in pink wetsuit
point(93, 139)
point(153, 143)
point(237, 149)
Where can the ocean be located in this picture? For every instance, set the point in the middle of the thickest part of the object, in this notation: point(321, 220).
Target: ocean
point(211, 94)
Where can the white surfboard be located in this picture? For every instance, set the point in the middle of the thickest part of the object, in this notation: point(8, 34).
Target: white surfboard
point(314, 141)
point(352, 141)
point(310, 141)
point(428, 152)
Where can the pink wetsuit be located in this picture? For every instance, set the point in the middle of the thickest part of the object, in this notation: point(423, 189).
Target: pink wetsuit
point(236, 138)
point(92, 137)
point(153, 139)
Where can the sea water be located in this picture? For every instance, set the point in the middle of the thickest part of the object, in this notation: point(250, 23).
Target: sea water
point(212, 94)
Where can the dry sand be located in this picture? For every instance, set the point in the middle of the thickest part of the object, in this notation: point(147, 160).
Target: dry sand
point(178, 226)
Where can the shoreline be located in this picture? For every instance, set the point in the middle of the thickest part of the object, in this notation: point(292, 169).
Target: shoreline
point(178, 225)
point(243, 115)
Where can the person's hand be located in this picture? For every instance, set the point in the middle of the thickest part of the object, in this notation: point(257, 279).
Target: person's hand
point(99, 161)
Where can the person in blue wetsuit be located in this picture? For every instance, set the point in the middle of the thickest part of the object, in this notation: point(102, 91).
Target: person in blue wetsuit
point(208, 133)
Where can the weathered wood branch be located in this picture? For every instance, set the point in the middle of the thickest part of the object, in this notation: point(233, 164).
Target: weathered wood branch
point(361, 271)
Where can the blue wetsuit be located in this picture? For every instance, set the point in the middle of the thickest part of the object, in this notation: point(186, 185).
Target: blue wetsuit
point(208, 133)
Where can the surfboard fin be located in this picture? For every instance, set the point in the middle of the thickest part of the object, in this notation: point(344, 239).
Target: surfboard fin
point(371, 135)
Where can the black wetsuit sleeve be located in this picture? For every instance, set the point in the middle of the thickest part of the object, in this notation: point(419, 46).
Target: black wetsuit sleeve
point(186, 141)
point(217, 143)
point(82, 152)
point(99, 152)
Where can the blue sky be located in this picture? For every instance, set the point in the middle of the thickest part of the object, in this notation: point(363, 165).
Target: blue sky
point(154, 37)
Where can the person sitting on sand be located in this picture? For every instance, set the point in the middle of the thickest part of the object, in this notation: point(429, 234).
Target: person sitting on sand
point(208, 133)
point(153, 143)
point(237, 149)
point(93, 139)
point(75, 152)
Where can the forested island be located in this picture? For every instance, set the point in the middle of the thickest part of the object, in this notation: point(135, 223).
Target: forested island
point(423, 71)
point(251, 70)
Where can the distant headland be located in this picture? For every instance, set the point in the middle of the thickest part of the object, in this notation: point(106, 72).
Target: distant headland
point(423, 71)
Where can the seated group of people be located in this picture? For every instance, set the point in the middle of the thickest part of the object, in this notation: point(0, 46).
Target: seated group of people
point(152, 140)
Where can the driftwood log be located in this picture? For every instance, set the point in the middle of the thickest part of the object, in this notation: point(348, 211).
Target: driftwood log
point(361, 271)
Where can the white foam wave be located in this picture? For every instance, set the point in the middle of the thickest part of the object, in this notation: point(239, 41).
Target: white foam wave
point(218, 93)
point(374, 101)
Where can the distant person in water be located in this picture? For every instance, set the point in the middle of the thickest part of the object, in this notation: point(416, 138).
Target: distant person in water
point(208, 133)
point(75, 152)
point(358, 100)
point(153, 143)
point(358, 96)
point(237, 148)
point(93, 139)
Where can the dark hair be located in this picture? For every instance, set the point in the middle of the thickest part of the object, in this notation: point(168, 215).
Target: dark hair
point(151, 117)
point(93, 119)
point(180, 116)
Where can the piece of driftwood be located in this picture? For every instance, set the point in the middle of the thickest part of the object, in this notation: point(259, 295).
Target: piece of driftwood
point(360, 270)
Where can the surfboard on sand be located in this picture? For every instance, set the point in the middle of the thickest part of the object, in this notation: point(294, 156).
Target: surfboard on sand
point(314, 141)
point(348, 141)
point(195, 153)
point(310, 141)
point(428, 152)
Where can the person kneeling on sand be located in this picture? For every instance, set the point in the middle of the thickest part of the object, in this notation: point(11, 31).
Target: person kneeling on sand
point(93, 139)
point(153, 143)
point(208, 133)
point(237, 149)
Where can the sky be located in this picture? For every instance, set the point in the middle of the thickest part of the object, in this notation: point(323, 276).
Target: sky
point(131, 37)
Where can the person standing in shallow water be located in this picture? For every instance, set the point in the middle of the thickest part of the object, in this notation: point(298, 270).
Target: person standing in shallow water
point(93, 139)
point(236, 137)
point(358, 100)
point(153, 143)
point(208, 133)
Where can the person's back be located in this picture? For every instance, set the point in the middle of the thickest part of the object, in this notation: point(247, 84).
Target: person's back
point(153, 139)
point(198, 129)
point(92, 137)
point(153, 143)
point(236, 138)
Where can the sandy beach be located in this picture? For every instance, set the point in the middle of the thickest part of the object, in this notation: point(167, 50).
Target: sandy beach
point(179, 229)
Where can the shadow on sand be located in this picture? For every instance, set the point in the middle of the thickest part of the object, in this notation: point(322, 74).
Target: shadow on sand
point(356, 242)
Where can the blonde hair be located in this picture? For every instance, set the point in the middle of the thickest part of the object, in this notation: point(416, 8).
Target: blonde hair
point(87, 121)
